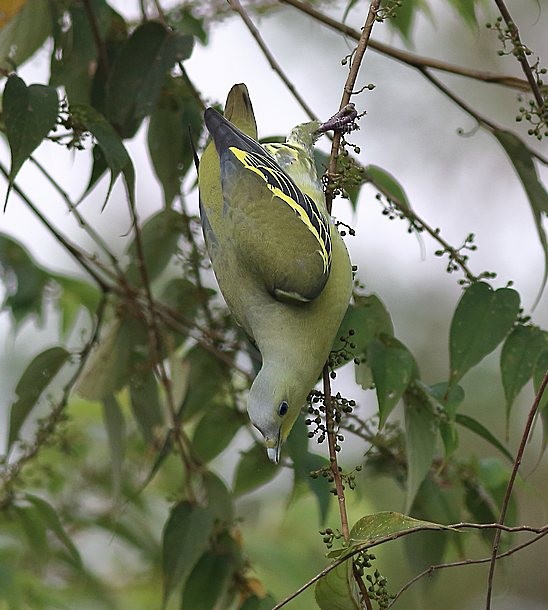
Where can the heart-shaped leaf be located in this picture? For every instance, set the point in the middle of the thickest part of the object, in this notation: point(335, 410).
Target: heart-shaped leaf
point(392, 367)
point(482, 319)
point(29, 115)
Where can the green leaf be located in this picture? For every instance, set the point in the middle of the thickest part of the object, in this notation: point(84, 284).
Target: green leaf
point(75, 295)
point(146, 406)
point(52, 521)
point(522, 160)
point(393, 367)
point(25, 297)
point(371, 529)
point(215, 431)
point(37, 376)
point(139, 72)
point(25, 33)
point(184, 540)
point(440, 503)
point(159, 236)
point(475, 426)
point(35, 531)
point(467, 10)
point(121, 356)
point(384, 182)
point(421, 432)
point(115, 154)
point(29, 114)
point(184, 298)
point(98, 169)
point(447, 398)
point(175, 119)
point(208, 581)
point(207, 385)
point(404, 19)
point(337, 589)
point(73, 56)
point(485, 492)
point(253, 470)
point(517, 360)
point(366, 319)
point(219, 499)
point(116, 431)
point(182, 20)
point(482, 319)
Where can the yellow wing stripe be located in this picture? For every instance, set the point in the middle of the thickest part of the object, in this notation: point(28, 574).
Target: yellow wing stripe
point(284, 188)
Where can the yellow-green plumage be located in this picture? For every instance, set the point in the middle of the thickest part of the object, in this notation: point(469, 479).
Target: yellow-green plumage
point(280, 262)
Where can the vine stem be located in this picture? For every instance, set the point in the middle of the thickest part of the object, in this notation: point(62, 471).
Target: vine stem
point(510, 486)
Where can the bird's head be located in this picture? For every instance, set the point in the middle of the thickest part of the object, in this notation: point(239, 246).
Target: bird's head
point(273, 408)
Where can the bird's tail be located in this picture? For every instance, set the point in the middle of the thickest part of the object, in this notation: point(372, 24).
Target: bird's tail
point(226, 135)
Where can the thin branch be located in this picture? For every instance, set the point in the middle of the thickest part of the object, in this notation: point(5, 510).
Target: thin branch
point(238, 8)
point(520, 53)
point(79, 218)
point(157, 345)
point(510, 486)
point(415, 219)
point(411, 59)
point(69, 246)
point(465, 562)
point(395, 536)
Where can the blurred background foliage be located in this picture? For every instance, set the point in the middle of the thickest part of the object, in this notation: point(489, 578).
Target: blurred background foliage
point(131, 477)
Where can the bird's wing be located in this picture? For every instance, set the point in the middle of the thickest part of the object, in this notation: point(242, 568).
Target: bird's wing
point(279, 232)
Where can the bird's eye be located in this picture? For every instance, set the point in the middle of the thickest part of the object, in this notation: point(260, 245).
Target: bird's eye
point(282, 410)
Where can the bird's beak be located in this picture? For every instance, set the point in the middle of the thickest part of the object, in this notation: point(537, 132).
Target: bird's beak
point(273, 446)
